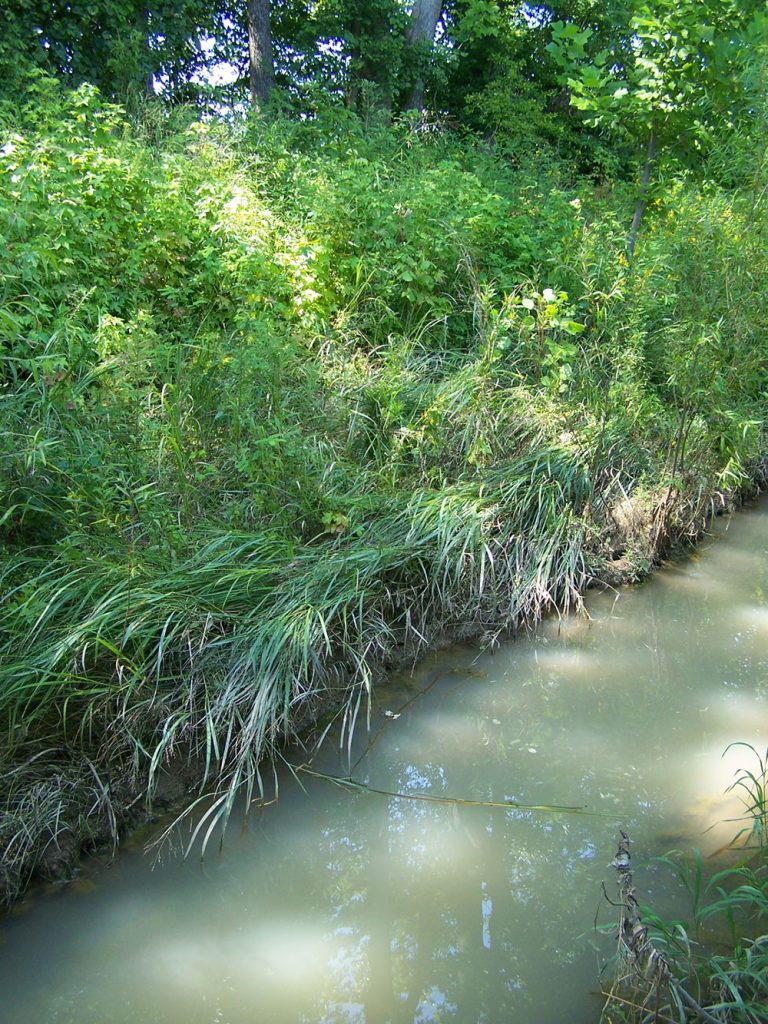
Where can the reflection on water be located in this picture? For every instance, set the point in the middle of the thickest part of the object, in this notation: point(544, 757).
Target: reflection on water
point(351, 907)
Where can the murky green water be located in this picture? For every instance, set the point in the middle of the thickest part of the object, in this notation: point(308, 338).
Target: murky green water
point(359, 908)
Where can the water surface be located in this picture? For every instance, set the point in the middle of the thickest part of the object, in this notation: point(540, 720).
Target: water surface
point(338, 907)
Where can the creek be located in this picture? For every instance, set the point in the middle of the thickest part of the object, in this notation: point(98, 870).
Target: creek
point(337, 906)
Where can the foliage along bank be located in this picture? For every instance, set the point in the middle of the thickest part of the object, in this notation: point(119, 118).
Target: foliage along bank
point(286, 401)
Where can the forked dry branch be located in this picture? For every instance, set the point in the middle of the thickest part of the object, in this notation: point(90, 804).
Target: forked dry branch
point(645, 989)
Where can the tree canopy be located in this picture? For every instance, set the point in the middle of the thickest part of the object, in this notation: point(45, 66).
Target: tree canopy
point(618, 69)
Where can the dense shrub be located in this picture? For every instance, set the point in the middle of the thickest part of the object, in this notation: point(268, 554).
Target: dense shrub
point(279, 399)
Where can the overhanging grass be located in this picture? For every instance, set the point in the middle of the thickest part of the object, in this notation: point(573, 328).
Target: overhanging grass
point(219, 651)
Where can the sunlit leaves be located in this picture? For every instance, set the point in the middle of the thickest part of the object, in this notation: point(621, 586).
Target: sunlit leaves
point(680, 71)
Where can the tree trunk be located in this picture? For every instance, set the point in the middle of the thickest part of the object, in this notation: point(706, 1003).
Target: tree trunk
point(421, 36)
point(640, 204)
point(149, 76)
point(260, 67)
point(353, 85)
point(369, 86)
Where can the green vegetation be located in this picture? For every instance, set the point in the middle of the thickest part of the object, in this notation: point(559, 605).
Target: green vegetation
point(715, 965)
point(289, 396)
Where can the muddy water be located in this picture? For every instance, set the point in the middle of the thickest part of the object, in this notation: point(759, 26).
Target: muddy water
point(338, 907)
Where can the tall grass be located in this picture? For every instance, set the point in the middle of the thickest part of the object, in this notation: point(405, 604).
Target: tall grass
point(219, 653)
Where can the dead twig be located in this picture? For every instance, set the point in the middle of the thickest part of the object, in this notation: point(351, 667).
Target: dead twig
point(645, 981)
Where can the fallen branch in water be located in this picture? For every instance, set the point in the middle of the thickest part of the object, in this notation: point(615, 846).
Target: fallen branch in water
point(352, 784)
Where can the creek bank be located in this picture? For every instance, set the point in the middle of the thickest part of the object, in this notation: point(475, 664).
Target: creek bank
point(98, 808)
point(615, 703)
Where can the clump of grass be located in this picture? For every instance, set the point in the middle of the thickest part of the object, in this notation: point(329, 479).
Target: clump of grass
point(221, 652)
point(752, 787)
point(55, 803)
